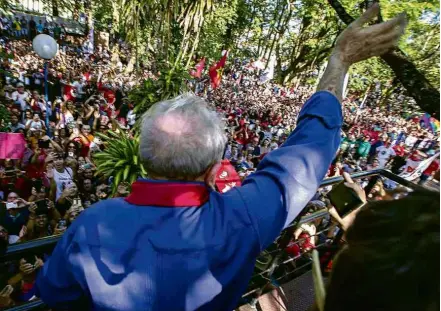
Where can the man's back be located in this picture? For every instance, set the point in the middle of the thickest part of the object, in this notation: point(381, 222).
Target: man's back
point(179, 246)
point(133, 257)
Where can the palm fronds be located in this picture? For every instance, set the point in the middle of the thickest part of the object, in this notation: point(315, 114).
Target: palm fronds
point(119, 159)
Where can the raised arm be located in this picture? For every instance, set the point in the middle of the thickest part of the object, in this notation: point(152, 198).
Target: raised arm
point(357, 43)
point(288, 177)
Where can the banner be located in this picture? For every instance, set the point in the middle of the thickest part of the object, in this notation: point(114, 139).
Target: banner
point(413, 169)
point(227, 177)
point(12, 146)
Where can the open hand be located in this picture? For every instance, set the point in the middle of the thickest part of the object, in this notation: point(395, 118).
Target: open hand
point(357, 43)
point(38, 263)
point(32, 208)
point(5, 296)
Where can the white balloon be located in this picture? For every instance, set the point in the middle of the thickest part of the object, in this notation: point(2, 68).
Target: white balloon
point(45, 46)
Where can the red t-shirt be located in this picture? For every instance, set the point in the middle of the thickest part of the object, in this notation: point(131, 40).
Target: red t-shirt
point(108, 94)
point(67, 92)
point(399, 150)
point(242, 141)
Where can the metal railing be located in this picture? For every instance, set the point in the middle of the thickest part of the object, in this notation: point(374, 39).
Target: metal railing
point(16, 251)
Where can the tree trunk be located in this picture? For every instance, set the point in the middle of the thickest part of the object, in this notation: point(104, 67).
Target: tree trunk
point(195, 44)
point(273, 28)
point(136, 41)
point(280, 30)
point(278, 66)
point(416, 84)
point(55, 11)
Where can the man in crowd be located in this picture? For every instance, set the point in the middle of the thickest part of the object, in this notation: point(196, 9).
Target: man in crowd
point(385, 153)
point(15, 125)
point(122, 254)
point(32, 28)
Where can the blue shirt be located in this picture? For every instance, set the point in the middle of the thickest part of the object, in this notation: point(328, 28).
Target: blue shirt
point(120, 256)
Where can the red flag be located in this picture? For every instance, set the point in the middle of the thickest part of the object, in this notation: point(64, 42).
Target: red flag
point(199, 68)
point(227, 177)
point(215, 71)
point(69, 92)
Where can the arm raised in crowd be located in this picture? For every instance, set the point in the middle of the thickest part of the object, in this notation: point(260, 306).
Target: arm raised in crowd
point(288, 177)
point(358, 43)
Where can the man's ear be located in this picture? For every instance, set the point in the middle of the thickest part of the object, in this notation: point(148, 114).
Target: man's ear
point(210, 175)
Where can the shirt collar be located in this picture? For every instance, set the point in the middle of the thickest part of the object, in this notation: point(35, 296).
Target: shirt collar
point(168, 193)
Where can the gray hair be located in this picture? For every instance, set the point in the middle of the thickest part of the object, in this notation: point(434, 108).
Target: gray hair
point(181, 138)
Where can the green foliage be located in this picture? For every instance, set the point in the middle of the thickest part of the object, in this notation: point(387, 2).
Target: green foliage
point(4, 118)
point(367, 73)
point(214, 32)
point(420, 43)
point(103, 15)
point(300, 34)
point(170, 83)
point(120, 158)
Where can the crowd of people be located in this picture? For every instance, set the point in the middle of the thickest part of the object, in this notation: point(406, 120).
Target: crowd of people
point(46, 189)
point(259, 117)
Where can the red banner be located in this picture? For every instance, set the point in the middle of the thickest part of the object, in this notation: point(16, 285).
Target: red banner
point(12, 146)
point(227, 177)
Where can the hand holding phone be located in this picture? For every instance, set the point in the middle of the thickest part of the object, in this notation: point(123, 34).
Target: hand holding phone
point(346, 196)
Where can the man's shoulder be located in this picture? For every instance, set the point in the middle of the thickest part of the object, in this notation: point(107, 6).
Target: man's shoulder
point(110, 205)
point(103, 211)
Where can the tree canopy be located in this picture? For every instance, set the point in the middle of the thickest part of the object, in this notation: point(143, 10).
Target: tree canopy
point(298, 34)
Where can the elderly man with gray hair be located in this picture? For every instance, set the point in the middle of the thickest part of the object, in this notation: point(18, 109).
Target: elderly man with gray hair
point(174, 243)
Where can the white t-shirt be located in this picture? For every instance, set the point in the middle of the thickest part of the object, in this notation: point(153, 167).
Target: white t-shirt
point(410, 141)
point(34, 125)
point(62, 180)
point(383, 154)
point(16, 96)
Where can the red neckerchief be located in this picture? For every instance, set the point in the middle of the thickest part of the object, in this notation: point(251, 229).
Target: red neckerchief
point(168, 194)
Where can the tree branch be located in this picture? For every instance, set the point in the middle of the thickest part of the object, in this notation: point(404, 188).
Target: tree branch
point(416, 84)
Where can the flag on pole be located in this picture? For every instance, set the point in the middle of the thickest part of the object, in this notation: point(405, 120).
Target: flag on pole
point(199, 68)
point(215, 71)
